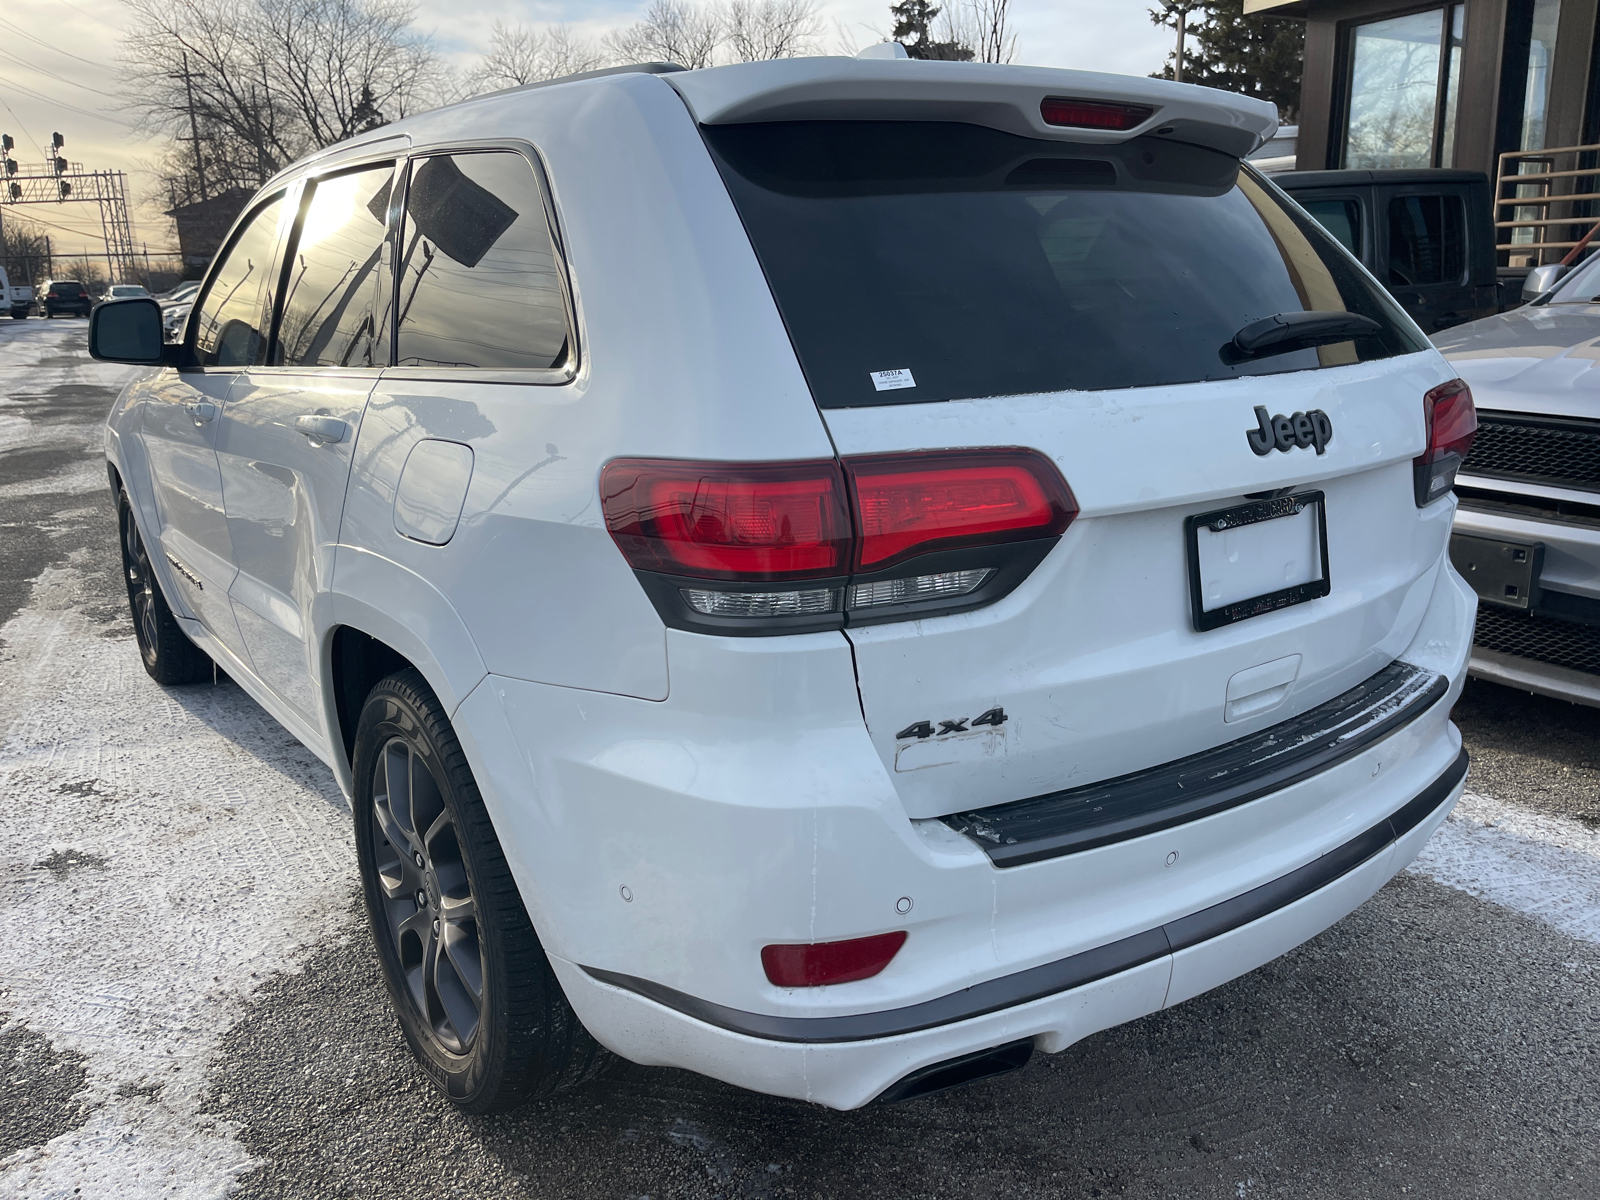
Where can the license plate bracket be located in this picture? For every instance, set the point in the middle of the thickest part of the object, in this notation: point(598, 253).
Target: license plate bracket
point(1505, 574)
point(1304, 551)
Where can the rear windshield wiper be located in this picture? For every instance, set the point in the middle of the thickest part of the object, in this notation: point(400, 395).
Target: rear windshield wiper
point(1295, 331)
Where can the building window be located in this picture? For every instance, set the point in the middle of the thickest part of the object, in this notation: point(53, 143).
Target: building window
point(1402, 90)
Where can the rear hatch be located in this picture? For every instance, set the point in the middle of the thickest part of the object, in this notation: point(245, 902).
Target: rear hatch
point(1247, 542)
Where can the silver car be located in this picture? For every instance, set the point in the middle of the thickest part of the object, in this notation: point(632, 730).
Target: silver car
point(1527, 534)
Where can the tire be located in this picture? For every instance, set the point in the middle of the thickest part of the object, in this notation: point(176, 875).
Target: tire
point(486, 1017)
point(168, 654)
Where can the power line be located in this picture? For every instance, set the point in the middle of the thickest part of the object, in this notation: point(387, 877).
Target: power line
point(24, 33)
point(99, 116)
point(22, 127)
point(92, 17)
point(28, 66)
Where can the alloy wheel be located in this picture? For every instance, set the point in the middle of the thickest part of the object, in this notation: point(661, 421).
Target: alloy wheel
point(427, 898)
point(141, 584)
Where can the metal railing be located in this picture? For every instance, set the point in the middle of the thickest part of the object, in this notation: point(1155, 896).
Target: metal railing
point(1537, 221)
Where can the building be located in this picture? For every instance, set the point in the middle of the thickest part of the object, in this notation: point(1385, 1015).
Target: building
point(1499, 86)
point(203, 224)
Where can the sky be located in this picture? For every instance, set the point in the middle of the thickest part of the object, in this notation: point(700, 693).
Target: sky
point(59, 73)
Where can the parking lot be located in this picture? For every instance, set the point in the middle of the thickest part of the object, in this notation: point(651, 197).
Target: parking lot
point(188, 1003)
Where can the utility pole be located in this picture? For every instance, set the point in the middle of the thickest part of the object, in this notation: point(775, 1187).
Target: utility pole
point(1180, 9)
point(194, 124)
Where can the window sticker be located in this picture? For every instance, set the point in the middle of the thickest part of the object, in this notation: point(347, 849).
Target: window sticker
point(888, 381)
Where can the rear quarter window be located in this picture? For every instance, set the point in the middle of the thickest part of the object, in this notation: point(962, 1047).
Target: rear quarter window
point(917, 261)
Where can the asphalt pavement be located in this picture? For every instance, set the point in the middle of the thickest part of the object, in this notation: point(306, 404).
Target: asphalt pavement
point(189, 1005)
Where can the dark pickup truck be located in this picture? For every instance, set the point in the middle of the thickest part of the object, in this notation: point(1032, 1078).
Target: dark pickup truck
point(1426, 234)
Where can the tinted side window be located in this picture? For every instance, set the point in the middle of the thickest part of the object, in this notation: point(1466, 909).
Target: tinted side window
point(1342, 218)
point(1427, 240)
point(229, 330)
point(332, 295)
point(479, 286)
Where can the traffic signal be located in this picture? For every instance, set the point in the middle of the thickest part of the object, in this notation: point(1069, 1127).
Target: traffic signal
point(11, 166)
point(6, 143)
point(61, 166)
point(16, 191)
point(66, 188)
point(57, 141)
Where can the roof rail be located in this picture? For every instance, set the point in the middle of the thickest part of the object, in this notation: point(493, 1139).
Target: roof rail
point(649, 68)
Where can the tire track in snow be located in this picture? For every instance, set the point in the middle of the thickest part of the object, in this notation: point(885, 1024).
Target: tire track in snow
point(1512, 855)
point(162, 854)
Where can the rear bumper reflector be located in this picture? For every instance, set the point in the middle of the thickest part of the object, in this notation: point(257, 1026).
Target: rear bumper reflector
point(1086, 967)
point(1130, 806)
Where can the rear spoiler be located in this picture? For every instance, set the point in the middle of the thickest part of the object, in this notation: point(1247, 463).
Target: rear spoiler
point(1001, 97)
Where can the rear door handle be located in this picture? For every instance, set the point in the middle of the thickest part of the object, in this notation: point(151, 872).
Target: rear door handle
point(321, 430)
point(202, 411)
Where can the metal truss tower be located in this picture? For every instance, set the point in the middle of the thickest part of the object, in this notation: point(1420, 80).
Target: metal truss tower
point(63, 182)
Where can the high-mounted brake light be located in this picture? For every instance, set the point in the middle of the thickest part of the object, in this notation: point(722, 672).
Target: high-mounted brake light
point(831, 962)
point(1452, 423)
point(909, 504)
point(786, 547)
point(1093, 114)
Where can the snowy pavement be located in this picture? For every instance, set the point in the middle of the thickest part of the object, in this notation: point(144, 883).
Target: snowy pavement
point(188, 1006)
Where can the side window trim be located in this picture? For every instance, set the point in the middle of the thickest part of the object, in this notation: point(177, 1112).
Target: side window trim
point(289, 240)
point(543, 377)
point(290, 193)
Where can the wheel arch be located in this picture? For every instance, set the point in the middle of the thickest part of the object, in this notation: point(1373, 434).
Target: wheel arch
point(381, 618)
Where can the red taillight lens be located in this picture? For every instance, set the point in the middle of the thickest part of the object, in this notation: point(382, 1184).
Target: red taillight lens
point(1093, 114)
point(831, 962)
point(1452, 423)
point(728, 520)
point(909, 504)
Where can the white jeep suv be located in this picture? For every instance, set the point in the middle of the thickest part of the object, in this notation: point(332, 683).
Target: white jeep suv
point(832, 574)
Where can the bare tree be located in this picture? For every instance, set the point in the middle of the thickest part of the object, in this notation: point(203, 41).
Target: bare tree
point(244, 87)
point(758, 30)
point(671, 31)
point(989, 32)
point(520, 54)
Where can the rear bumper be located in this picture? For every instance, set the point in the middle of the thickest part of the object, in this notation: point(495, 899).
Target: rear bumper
point(846, 1061)
point(659, 845)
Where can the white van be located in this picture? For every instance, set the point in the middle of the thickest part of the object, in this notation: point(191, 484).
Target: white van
point(833, 574)
point(16, 299)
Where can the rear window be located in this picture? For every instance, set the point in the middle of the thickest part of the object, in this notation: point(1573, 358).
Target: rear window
point(67, 289)
point(917, 261)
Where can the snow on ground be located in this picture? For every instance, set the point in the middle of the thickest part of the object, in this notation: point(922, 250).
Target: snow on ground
point(1545, 866)
point(161, 854)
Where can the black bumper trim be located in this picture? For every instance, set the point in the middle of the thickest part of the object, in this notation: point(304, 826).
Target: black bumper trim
point(1076, 970)
point(1187, 789)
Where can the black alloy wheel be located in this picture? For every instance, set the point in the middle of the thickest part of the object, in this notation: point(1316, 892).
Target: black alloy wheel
point(168, 654)
point(428, 906)
point(473, 990)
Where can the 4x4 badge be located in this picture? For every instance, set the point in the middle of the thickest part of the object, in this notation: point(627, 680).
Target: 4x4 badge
point(1301, 429)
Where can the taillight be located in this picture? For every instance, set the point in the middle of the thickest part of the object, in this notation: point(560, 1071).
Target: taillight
point(1452, 423)
point(830, 962)
point(787, 547)
point(1093, 114)
point(728, 520)
point(910, 504)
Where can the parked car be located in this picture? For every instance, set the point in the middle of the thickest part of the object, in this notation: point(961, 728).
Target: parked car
point(124, 291)
point(1528, 529)
point(1428, 235)
point(181, 293)
point(173, 319)
point(1277, 153)
point(15, 298)
point(797, 581)
point(66, 296)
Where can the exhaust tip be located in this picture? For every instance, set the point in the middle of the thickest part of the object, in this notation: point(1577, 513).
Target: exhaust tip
point(957, 1072)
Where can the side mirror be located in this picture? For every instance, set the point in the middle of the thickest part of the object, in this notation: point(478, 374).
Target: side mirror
point(129, 331)
point(1540, 280)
